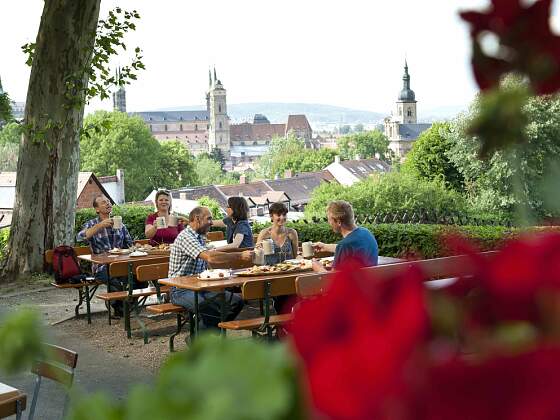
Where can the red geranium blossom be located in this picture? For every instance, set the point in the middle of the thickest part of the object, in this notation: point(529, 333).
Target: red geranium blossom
point(527, 44)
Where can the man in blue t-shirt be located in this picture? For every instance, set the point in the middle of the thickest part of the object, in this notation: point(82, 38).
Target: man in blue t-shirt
point(357, 243)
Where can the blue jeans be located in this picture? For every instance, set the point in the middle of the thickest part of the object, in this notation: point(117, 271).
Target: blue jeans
point(209, 305)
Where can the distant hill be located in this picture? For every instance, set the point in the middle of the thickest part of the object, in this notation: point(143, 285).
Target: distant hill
point(320, 115)
point(317, 114)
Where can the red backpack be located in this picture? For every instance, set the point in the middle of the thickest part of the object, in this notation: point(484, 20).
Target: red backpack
point(65, 265)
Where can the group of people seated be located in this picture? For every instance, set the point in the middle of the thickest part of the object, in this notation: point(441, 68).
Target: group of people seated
point(191, 254)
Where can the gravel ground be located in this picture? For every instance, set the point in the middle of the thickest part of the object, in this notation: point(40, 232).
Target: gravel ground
point(57, 309)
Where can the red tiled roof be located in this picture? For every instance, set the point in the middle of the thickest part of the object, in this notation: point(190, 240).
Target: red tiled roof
point(253, 132)
point(298, 122)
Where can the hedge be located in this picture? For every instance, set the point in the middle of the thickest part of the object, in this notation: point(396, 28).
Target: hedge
point(410, 240)
point(4, 233)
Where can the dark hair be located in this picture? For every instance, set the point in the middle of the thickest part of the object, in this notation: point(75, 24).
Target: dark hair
point(278, 209)
point(239, 207)
point(160, 193)
point(94, 205)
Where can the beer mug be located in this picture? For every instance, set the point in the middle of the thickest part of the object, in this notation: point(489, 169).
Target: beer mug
point(307, 249)
point(117, 222)
point(258, 257)
point(268, 246)
point(172, 220)
point(161, 223)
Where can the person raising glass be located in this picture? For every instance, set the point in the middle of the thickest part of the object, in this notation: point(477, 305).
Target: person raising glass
point(173, 225)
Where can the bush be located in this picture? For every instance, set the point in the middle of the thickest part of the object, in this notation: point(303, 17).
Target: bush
point(133, 216)
point(389, 193)
point(4, 234)
point(410, 240)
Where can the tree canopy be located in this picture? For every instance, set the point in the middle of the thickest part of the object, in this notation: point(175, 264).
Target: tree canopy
point(115, 140)
point(365, 144)
point(290, 154)
point(429, 158)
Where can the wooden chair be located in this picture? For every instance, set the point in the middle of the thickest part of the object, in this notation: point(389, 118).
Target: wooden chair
point(216, 235)
point(58, 365)
point(264, 290)
point(120, 269)
point(154, 272)
point(13, 404)
point(86, 290)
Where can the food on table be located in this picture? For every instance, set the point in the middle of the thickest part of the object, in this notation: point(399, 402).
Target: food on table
point(283, 267)
point(218, 273)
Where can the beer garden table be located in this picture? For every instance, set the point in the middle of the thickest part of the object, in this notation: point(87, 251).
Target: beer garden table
point(8, 396)
point(197, 285)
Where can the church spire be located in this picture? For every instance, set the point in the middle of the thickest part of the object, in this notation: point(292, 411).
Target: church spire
point(1, 90)
point(215, 78)
point(406, 76)
point(209, 78)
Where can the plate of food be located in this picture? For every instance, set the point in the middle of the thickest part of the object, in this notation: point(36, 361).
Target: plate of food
point(138, 254)
point(119, 251)
point(327, 262)
point(163, 249)
point(214, 274)
point(280, 268)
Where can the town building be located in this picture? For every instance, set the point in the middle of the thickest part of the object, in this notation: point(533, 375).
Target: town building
point(203, 130)
point(402, 128)
point(348, 172)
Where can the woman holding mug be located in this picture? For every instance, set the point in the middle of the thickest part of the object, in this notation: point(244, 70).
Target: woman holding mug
point(161, 226)
point(238, 230)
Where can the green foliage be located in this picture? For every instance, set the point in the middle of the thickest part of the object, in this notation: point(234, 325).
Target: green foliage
point(4, 235)
point(9, 153)
point(290, 154)
point(134, 217)
point(11, 133)
point(176, 167)
point(215, 379)
point(344, 129)
point(389, 193)
point(208, 171)
point(213, 205)
point(218, 156)
point(20, 340)
point(5, 108)
point(116, 140)
point(365, 144)
point(515, 177)
point(428, 159)
point(410, 240)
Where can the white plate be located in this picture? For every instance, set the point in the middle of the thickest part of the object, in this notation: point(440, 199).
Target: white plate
point(294, 261)
point(214, 274)
point(138, 254)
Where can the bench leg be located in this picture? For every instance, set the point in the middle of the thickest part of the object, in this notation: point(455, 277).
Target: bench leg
point(80, 301)
point(223, 312)
point(181, 321)
point(88, 308)
point(126, 311)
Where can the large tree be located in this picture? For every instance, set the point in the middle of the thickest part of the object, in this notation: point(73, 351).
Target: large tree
point(365, 144)
point(175, 166)
point(429, 158)
point(69, 65)
point(45, 200)
point(114, 141)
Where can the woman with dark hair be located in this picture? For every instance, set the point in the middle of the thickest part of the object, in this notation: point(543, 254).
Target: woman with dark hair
point(285, 239)
point(238, 230)
point(162, 235)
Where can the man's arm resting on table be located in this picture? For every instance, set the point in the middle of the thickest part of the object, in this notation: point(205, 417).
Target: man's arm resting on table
point(217, 257)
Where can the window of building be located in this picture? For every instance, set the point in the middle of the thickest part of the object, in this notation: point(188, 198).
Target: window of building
point(196, 127)
point(409, 113)
point(255, 143)
point(165, 127)
point(180, 127)
point(400, 112)
point(220, 125)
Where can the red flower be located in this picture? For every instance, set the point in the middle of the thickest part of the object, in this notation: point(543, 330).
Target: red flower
point(504, 387)
point(527, 45)
point(356, 339)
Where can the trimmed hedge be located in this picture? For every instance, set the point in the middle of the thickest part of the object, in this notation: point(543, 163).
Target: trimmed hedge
point(4, 234)
point(410, 240)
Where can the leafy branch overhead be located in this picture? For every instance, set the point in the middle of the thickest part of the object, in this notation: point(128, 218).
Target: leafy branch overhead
point(98, 74)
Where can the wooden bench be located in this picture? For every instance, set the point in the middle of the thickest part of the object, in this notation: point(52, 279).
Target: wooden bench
point(154, 272)
point(263, 291)
point(216, 235)
point(86, 289)
point(120, 269)
point(437, 268)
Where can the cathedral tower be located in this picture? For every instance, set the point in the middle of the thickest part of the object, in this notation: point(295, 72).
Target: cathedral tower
point(119, 97)
point(218, 135)
point(406, 103)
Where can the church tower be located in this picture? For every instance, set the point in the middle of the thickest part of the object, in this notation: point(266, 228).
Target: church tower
point(119, 97)
point(218, 134)
point(406, 103)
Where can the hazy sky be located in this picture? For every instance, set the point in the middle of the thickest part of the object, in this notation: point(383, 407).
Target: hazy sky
point(347, 53)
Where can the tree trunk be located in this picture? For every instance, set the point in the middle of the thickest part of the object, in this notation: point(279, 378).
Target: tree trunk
point(47, 172)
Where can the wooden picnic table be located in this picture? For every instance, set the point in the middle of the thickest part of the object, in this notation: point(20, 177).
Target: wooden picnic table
point(107, 258)
point(197, 285)
point(12, 401)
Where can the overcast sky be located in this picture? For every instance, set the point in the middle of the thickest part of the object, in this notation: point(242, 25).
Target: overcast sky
point(347, 53)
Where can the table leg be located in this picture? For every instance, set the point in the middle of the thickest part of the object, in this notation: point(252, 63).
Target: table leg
point(222, 311)
point(196, 314)
point(126, 303)
point(88, 308)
